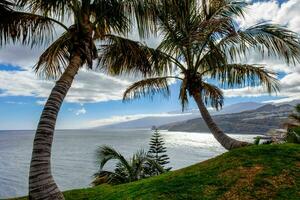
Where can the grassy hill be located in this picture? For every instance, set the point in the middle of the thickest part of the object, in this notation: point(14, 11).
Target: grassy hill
point(256, 172)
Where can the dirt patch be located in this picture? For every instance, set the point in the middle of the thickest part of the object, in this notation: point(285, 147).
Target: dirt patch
point(275, 183)
point(282, 180)
point(245, 182)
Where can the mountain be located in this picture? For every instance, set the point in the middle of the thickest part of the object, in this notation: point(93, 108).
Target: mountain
point(148, 122)
point(178, 116)
point(258, 121)
point(238, 107)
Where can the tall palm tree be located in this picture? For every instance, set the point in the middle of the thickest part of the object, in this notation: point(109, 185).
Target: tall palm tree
point(126, 170)
point(84, 24)
point(294, 118)
point(202, 44)
point(296, 115)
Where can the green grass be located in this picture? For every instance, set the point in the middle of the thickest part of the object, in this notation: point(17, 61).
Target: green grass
point(256, 172)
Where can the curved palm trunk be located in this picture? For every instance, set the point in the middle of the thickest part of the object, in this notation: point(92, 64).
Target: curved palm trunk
point(41, 182)
point(226, 141)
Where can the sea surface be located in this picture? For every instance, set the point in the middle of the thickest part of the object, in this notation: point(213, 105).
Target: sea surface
point(74, 160)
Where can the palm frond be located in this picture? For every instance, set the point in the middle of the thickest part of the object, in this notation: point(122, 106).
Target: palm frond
point(144, 13)
point(224, 8)
point(296, 114)
point(108, 177)
point(106, 153)
point(295, 117)
point(233, 75)
point(183, 95)
point(110, 16)
point(6, 6)
point(122, 55)
point(50, 8)
point(26, 28)
point(147, 87)
point(212, 95)
point(155, 165)
point(55, 58)
point(269, 39)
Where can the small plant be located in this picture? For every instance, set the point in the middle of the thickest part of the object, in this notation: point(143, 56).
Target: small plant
point(157, 152)
point(257, 140)
point(293, 135)
point(133, 169)
point(293, 126)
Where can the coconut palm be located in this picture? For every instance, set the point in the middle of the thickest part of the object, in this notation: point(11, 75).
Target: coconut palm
point(83, 24)
point(126, 170)
point(296, 115)
point(294, 118)
point(202, 47)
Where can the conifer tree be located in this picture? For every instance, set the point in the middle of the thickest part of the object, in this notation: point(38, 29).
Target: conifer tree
point(157, 150)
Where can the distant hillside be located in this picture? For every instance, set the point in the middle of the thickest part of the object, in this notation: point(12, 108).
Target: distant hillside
point(178, 116)
point(258, 121)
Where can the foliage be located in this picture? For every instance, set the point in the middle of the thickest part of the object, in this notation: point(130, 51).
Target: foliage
point(257, 140)
point(295, 116)
point(202, 43)
point(125, 171)
point(293, 126)
point(255, 172)
point(157, 152)
point(83, 25)
point(293, 135)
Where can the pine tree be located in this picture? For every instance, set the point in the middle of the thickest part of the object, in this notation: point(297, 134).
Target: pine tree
point(157, 150)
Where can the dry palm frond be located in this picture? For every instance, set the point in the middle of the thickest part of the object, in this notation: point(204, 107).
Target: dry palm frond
point(122, 55)
point(147, 87)
point(212, 95)
point(26, 28)
point(268, 39)
point(55, 58)
point(232, 75)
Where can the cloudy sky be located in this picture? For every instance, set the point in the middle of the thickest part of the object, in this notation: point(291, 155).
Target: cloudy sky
point(95, 98)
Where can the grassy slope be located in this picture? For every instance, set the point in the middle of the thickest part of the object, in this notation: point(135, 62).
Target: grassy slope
point(257, 172)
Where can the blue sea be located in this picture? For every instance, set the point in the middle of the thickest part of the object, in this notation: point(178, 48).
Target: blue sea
point(74, 160)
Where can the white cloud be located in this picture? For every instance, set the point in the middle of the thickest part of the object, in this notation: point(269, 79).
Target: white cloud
point(81, 111)
point(88, 86)
point(95, 87)
point(286, 14)
point(16, 102)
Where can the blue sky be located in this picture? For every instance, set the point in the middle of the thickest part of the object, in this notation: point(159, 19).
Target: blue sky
point(96, 96)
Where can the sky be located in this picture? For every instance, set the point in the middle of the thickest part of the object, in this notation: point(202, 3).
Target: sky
point(95, 98)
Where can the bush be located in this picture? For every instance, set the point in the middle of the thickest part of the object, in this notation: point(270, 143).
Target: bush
point(293, 135)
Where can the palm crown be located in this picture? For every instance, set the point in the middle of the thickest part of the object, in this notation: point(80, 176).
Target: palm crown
point(84, 24)
point(201, 41)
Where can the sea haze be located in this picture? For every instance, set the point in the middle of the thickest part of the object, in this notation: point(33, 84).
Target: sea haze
point(74, 161)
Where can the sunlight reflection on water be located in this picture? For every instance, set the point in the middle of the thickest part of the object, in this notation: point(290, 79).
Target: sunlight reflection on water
point(74, 154)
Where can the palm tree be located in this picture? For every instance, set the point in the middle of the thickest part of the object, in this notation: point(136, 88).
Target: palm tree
point(202, 44)
point(296, 115)
point(84, 23)
point(294, 119)
point(126, 170)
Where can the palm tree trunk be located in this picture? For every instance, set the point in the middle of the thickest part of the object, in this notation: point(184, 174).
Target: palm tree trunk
point(226, 141)
point(41, 182)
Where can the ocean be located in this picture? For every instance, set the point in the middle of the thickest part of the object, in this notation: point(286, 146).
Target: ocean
point(74, 160)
